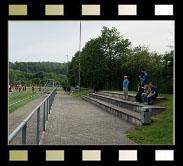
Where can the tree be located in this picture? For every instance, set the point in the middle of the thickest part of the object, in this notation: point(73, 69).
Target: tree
point(113, 47)
point(38, 72)
point(93, 65)
point(73, 70)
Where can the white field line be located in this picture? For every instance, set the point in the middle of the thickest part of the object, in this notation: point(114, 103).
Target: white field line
point(22, 100)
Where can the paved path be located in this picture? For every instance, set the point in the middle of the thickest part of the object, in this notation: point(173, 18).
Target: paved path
point(15, 118)
point(74, 121)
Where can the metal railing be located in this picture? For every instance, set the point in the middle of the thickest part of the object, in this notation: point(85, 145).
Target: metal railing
point(48, 101)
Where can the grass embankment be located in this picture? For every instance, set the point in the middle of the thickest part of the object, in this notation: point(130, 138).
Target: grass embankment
point(83, 91)
point(18, 99)
point(161, 129)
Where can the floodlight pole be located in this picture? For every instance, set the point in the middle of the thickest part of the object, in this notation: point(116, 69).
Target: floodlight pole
point(79, 56)
point(67, 64)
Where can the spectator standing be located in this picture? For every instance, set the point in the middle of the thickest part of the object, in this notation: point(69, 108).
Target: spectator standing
point(153, 93)
point(141, 73)
point(145, 79)
point(125, 87)
point(95, 89)
point(68, 90)
point(141, 79)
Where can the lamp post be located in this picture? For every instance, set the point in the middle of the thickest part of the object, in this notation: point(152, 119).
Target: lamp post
point(67, 64)
point(79, 57)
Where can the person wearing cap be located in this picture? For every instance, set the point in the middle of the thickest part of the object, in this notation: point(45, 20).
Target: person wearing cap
point(125, 87)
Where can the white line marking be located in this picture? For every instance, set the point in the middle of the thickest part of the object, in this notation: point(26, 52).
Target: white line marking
point(22, 100)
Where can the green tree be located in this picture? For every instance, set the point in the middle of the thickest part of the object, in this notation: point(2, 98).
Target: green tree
point(113, 47)
point(93, 65)
point(73, 70)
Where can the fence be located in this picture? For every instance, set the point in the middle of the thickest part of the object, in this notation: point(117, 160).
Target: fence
point(47, 103)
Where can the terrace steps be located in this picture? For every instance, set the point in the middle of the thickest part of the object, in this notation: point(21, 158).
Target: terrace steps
point(126, 109)
point(130, 116)
point(131, 97)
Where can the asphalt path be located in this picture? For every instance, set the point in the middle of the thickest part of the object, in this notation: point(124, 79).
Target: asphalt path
point(74, 121)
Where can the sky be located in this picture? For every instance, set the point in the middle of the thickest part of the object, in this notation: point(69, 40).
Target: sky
point(38, 41)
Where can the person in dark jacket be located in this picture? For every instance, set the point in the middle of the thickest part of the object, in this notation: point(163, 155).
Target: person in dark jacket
point(139, 93)
point(68, 90)
point(95, 89)
point(141, 73)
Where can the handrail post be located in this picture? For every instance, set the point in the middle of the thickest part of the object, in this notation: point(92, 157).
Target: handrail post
point(24, 134)
point(38, 117)
point(44, 117)
point(49, 105)
point(47, 110)
point(52, 98)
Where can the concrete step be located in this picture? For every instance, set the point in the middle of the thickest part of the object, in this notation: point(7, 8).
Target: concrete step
point(128, 115)
point(130, 105)
point(131, 97)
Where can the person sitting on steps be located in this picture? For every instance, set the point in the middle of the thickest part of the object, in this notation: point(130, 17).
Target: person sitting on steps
point(153, 93)
point(139, 93)
point(146, 92)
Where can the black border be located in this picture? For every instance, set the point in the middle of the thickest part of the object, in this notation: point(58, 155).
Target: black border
point(73, 153)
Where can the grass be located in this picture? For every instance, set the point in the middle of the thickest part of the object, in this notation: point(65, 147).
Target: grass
point(83, 91)
point(161, 129)
point(26, 97)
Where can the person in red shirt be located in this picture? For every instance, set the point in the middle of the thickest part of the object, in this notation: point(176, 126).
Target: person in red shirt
point(16, 87)
point(10, 86)
point(23, 87)
point(33, 88)
point(40, 87)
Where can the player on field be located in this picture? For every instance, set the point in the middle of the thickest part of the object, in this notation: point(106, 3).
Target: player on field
point(33, 88)
point(40, 87)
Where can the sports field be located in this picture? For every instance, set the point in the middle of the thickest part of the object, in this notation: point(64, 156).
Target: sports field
point(18, 99)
